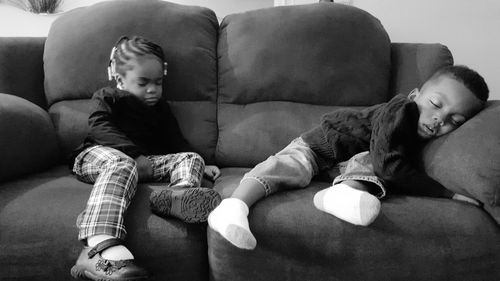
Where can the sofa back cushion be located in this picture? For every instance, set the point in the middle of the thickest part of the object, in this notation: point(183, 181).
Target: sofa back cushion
point(281, 68)
point(77, 54)
point(414, 63)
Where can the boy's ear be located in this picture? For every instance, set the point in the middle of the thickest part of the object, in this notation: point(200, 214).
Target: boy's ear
point(413, 94)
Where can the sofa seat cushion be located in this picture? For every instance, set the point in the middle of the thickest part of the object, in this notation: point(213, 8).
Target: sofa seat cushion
point(38, 235)
point(414, 238)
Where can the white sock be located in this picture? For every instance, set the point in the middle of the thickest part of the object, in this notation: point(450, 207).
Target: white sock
point(464, 198)
point(114, 253)
point(349, 204)
point(231, 221)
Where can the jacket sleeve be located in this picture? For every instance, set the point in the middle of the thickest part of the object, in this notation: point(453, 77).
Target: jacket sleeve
point(393, 143)
point(103, 130)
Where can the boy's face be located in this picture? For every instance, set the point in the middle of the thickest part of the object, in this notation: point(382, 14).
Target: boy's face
point(444, 105)
point(144, 79)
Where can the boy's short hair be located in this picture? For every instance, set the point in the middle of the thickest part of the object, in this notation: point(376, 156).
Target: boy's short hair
point(470, 78)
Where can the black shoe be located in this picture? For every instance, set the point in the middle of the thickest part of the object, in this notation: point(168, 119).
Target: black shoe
point(90, 265)
point(192, 205)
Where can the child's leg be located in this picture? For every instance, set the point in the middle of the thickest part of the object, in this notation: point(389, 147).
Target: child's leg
point(293, 167)
point(185, 199)
point(114, 175)
point(353, 196)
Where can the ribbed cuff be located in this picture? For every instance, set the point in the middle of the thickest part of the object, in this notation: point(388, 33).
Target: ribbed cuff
point(318, 142)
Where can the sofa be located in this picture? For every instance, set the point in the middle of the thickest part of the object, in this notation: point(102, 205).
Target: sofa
point(241, 90)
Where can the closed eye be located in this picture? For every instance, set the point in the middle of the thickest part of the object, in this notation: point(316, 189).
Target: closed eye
point(435, 104)
point(456, 122)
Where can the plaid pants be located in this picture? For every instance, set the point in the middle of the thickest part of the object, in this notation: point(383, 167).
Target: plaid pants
point(114, 175)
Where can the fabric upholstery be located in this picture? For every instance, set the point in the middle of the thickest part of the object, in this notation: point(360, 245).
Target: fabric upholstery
point(40, 242)
point(414, 63)
point(251, 133)
point(414, 238)
point(272, 72)
point(467, 160)
point(21, 68)
point(71, 120)
point(28, 142)
point(76, 63)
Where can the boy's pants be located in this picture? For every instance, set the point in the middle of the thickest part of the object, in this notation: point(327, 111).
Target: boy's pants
point(114, 175)
point(295, 166)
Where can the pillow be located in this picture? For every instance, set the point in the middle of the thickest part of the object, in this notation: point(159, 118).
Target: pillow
point(28, 141)
point(467, 161)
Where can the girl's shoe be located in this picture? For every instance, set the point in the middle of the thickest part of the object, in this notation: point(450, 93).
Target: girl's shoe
point(90, 265)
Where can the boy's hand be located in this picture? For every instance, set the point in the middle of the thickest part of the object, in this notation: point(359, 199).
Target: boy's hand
point(144, 168)
point(212, 172)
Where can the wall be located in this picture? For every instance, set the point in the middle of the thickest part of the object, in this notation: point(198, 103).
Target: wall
point(224, 7)
point(469, 28)
point(220, 7)
point(18, 23)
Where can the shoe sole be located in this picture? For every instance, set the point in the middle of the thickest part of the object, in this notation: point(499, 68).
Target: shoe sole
point(191, 205)
point(80, 273)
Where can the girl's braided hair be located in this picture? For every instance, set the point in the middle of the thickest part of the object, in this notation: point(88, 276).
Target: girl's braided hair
point(126, 49)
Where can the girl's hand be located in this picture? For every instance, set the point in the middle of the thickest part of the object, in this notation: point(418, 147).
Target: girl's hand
point(144, 168)
point(212, 172)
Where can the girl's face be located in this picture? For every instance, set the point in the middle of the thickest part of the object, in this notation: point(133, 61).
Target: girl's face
point(144, 79)
point(444, 105)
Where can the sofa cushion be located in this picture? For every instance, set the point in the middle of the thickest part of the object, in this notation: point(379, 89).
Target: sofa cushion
point(28, 141)
point(413, 238)
point(39, 238)
point(467, 160)
point(77, 53)
point(276, 77)
point(21, 68)
point(414, 63)
point(71, 120)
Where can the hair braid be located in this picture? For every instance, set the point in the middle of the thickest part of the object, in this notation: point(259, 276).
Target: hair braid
point(126, 49)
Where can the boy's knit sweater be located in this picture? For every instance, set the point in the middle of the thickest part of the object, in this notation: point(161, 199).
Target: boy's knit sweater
point(389, 132)
point(121, 121)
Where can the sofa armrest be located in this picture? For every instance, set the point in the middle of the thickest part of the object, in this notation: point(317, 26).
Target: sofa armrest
point(21, 68)
point(28, 141)
point(413, 63)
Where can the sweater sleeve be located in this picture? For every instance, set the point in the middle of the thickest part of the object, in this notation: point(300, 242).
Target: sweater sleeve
point(393, 143)
point(103, 130)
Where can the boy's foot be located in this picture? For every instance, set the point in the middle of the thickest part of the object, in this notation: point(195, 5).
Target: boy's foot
point(464, 198)
point(349, 204)
point(192, 205)
point(230, 220)
point(90, 265)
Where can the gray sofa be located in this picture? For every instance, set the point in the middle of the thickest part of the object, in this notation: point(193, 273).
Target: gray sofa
point(241, 90)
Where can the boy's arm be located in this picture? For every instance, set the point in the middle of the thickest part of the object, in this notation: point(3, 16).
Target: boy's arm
point(104, 132)
point(394, 138)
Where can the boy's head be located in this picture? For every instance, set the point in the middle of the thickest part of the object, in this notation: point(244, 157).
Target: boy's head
point(446, 100)
point(138, 66)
